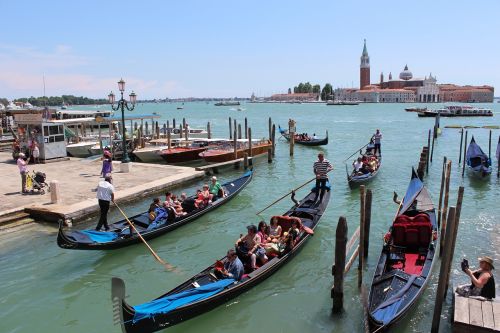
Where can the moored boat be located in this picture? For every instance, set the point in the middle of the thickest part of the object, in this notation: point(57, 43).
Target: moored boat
point(408, 255)
point(227, 103)
point(80, 149)
point(189, 153)
point(119, 234)
point(415, 109)
point(457, 111)
point(225, 153)
point(205, 291)
point(478, 163)
point(305, 142)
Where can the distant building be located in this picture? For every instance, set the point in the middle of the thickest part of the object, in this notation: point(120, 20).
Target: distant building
point(407, 89)
point(466, 94)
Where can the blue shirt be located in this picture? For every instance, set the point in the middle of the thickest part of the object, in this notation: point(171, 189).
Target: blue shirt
point(235, 268)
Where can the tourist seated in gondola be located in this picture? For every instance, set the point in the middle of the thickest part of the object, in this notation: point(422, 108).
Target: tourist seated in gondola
point(152, 211)
point(182, 198)
point(482, 281)
point(202, 197)
point(315, 137)
point(232, 268)
point(249, 249)
point(157, 214)
point(275, 230)
point(215, 188)
point(358, 165)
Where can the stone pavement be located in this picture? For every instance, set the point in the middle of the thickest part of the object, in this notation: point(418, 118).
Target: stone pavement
point(78, 179)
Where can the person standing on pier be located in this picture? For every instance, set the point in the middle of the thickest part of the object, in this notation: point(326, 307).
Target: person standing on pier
point(321, 168)
point(23, 170)
point(107, 163)
point(105, 195)
point(377, 137)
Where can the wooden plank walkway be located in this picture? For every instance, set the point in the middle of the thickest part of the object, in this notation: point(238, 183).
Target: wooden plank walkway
point(214, 166)
point(472, 315)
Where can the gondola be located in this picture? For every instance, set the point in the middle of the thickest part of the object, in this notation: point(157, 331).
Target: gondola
point(119, 234)
point(356, 178)
point(478, 163)
point(203, 292)
point(408, 255)
point(312, 142)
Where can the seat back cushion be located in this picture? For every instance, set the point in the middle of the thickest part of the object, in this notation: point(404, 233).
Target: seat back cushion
point(398, 235)
point(412, 237)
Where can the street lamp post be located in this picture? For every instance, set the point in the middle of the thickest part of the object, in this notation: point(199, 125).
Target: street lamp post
point(122, 104)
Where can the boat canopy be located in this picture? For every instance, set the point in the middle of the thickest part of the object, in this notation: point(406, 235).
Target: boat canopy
point(475, 151)
point(171, 302)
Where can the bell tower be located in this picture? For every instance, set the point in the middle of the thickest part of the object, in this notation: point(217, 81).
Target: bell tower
point(364, 69)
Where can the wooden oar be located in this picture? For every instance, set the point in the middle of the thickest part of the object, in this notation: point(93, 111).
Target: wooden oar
point(284, 196)
point(157, 257)
point(356, 152)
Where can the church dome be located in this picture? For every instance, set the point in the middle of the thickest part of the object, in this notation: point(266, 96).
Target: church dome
point(406, 74)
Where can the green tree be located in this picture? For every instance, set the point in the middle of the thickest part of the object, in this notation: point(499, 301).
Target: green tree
point(295, 89)
point(316, 89)
point(327, 92)
point(300, 88)
point(307, 88)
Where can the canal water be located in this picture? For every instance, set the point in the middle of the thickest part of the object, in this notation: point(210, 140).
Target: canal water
point(47, 289)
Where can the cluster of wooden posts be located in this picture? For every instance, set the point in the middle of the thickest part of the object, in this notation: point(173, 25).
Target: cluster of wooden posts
point(343, 247)
point(448, 220)
point(426, 156)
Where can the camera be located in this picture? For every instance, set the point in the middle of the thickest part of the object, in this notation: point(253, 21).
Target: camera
point(464, 264)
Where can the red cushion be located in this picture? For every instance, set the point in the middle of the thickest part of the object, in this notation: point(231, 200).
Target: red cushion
point(399, 235)
point(402, 219)
point(412, 237)
point(286, 221)
point(422, 217)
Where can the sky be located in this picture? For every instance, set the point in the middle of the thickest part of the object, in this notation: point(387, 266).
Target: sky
point(225, 48)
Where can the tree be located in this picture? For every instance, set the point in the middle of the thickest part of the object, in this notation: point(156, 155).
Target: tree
point(300, 88)
point(307, 88)
point(327, 92)
point(295, 89)
point(289, 91)
point(316, 89)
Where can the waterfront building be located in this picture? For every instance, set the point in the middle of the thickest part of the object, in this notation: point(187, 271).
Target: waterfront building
point(408, 89)
point(364, 69)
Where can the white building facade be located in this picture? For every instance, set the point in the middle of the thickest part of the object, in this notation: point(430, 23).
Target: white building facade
point(429, 92)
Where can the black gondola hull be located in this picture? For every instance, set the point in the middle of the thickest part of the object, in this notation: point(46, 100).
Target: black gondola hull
point(162, 321)
point(65, 242)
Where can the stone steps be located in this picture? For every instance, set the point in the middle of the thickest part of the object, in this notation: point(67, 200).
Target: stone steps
point(15, 219)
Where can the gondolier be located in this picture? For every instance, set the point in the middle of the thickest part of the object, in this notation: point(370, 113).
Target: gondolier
point(321, 168)
point(377, 137)
point(105, 195)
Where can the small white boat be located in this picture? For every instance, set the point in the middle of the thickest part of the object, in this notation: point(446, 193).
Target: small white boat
point(80, 149)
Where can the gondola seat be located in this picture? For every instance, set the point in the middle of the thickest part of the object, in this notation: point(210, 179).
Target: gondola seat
point(142, 220)
point(475, 161)
point(286, 221)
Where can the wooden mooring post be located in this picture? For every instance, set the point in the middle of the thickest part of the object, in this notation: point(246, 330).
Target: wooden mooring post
point(230, 129)
point(440, 203)
point(245, 161)
point(343, 247)
point(291, 132)
point(461, 141)
point(246, 128)
point(444, 269)
point(209, 131)
point(465, 152)
point(432, 146)
point(273, 139)
point(445, 206)
point(235, 145)
point(337, 291)
point(428, 154)
point(250, 152)
point(239, 131)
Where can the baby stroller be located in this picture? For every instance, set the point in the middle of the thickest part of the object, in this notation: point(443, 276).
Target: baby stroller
point(37, 182)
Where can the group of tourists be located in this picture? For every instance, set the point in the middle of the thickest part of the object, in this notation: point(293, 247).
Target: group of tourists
point(365, 164)
point(305, 137)
point(258, 245)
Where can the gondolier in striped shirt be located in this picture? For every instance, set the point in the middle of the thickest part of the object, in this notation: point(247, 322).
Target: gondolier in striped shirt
point(321, 168)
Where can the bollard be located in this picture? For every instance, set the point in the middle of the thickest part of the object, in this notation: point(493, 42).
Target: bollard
point(245, 160)
point(55, 192)
point(164, 130)
point(235, 145)
point(173, 123)
point(461, 140)
point(427, 154)
point(337, 291)
point(368, 218)
point(465, 152)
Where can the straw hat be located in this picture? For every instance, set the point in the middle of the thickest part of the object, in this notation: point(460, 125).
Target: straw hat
point(488, 260)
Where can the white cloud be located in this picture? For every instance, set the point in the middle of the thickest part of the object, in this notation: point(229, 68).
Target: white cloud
point(22, 70)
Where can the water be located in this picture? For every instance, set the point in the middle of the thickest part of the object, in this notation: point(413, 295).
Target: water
point(44, 288)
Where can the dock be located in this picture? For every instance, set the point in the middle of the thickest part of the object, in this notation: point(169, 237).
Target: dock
point(475, 315)
point(77, 180)
point(214, 167)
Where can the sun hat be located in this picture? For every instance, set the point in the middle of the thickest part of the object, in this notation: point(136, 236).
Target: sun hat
point(488, 260)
